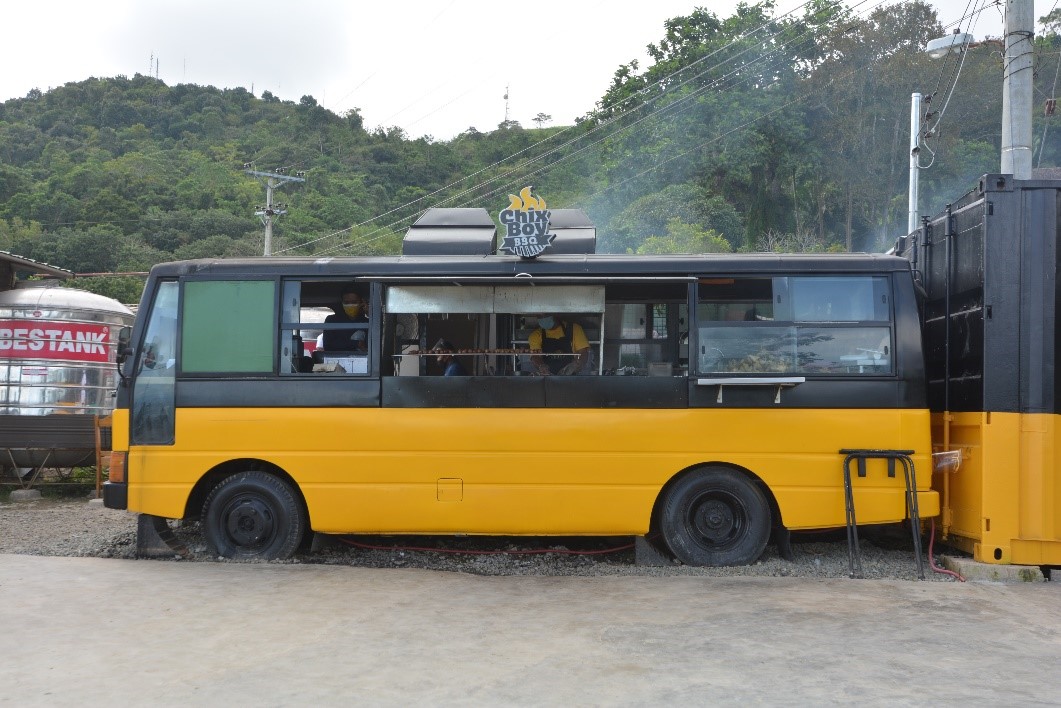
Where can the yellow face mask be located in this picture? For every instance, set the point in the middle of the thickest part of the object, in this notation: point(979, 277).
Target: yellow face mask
point(352, 310)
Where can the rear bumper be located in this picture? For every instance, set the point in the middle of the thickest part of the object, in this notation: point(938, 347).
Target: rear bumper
point(116, 495)
point(928, 504)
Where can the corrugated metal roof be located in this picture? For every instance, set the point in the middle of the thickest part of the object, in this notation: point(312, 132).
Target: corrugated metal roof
point(23, 263)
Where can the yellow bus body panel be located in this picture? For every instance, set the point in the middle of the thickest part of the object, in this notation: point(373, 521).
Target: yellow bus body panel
point(1005, 498)
point(120, 430)
point(532, 471)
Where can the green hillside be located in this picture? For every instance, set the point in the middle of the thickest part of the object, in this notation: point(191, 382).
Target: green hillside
point(744, 132)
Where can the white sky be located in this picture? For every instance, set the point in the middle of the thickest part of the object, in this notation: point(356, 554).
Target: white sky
point(432, 67)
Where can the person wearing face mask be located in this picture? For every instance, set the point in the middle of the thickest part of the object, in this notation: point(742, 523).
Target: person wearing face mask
point(352, 308)
point(552, 345)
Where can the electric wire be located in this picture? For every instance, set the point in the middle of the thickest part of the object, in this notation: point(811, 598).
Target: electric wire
point(526, 176)
point(605, 123)
point(931, 559)
point(673, 106)
point(509, 185)
point(367, 238)
point(964, 52)
point(650, 169)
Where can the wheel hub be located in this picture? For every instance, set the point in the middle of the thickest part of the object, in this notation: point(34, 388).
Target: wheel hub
point(716, 521)
point(249, 521)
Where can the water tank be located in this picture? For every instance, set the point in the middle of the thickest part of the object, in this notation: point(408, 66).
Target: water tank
point(57, 371)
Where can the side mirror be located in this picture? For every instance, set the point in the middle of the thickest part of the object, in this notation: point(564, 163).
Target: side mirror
point(124, 350)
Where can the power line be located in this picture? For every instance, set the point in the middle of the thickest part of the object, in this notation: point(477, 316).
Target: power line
point(610, 120)
point(934, 130)
point(669, 107)
point(703, 144)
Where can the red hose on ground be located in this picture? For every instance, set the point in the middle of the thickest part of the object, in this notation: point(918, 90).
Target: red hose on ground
point(525, 552)
point(932, 561)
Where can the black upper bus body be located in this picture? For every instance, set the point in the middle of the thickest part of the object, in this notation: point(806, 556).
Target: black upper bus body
point(673, 285)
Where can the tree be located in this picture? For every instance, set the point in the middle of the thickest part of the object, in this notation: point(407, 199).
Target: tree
point(684, 238)
point(792, 242)
point(748, 127)
point(124, 289)
point(651, 214)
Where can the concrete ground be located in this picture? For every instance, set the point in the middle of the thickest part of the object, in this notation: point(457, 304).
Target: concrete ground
point(76, 631)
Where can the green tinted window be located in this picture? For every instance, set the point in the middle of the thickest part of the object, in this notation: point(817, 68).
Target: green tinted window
point(228, 326)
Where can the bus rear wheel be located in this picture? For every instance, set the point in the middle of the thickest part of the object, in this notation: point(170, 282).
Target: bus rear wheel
point(253, 516)
point(715, 516)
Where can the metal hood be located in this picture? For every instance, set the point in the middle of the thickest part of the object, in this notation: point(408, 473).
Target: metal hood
point(451, 232)
point(575, 233)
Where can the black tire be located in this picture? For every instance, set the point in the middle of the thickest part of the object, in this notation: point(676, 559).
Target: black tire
point(253, 516)
point(715, 516)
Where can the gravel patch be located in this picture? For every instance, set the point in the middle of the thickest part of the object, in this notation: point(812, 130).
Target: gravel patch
point(76, 527)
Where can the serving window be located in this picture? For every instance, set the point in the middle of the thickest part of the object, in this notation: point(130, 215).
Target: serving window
point(810, 325)
point(646, 330)
point(487, 329)
point(630, 329)
point(325, 328)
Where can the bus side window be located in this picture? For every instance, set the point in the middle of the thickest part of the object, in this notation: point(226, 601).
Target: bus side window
point(324, 328)
point(795, 325)
point(645, 339)
point(228, 326)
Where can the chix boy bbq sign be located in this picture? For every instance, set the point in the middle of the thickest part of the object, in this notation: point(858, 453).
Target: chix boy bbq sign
point(67, 341)
point(526, 223)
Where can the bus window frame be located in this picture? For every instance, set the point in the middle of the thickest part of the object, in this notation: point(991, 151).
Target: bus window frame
point(895, 372)
point(372, 328)
point(182, 374)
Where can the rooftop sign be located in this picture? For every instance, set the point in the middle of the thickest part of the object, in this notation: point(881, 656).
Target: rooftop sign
point(526, 223)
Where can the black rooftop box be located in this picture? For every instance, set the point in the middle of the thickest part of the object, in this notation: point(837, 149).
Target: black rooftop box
point(451, 232)
point(575, 233)
point(989, 266)
point(471, 232)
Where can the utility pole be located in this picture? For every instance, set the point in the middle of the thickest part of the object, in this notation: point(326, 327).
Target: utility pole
point(915, 178)
point(269, 210)
point(1017, 89)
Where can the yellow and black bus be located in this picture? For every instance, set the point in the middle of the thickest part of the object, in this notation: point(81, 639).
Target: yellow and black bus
point(709, 411)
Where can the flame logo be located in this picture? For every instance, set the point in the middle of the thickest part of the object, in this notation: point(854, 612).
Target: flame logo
point(525, 201)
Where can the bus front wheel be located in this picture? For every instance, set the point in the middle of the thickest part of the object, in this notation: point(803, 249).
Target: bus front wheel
point(715, 516)
point(253, 516)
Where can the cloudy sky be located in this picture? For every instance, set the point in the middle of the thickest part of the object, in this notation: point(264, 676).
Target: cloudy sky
point(432, 67)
